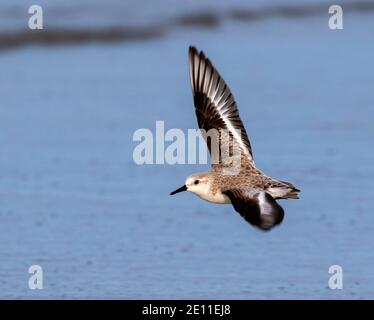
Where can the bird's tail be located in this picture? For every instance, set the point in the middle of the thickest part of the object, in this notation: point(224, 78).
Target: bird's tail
point(292, 191)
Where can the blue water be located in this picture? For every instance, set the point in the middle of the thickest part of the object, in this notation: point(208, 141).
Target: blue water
point(73, 201)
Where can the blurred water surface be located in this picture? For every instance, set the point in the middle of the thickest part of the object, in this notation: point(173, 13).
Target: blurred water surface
point(73, 201)
point(98, 13)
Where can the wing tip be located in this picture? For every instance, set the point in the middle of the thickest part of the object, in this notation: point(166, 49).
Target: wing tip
point(271, 213)
point(193, 51)
point(198, 65)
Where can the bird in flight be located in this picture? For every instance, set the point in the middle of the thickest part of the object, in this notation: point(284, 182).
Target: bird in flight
point(252, 193)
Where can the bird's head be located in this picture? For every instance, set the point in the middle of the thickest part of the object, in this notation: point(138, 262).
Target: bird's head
point(198, 183)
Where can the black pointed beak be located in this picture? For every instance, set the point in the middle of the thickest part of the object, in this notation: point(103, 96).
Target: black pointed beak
point(183, 188)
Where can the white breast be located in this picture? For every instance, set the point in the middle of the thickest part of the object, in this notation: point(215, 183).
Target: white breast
point(217, 197)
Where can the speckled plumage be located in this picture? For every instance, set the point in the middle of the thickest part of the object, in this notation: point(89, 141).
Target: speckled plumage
point(249, 190)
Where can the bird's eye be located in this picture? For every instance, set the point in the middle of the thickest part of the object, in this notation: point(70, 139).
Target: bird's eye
point(196, 181)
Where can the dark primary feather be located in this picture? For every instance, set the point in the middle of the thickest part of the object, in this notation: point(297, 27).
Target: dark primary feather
point(215, 106)
point(256, 207)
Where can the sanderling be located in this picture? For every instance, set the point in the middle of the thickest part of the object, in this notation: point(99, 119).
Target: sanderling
point(250, 191)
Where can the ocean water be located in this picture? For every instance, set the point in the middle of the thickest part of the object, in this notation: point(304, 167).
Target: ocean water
point(98, 13)
point(73, 201)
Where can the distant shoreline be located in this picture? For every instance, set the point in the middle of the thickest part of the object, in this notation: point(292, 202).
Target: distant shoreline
point(203, 19)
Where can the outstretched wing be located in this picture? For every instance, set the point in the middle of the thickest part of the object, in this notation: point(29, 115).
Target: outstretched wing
point(216, 108)
point(256, 207)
